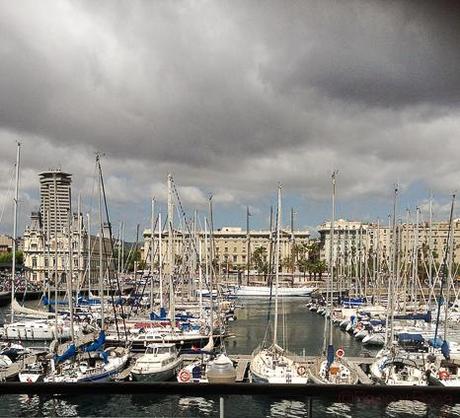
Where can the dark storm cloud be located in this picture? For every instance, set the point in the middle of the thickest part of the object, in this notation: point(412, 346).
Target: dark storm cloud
point(233, 96)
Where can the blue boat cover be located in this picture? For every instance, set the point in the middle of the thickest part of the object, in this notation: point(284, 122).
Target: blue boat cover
point(159, 317)
point(96, 345)
point(436, 342)
point(104, 356)
point(70, 352)
point(330, 354)
point(405, 336)
point(47, 301)
point(445, 350)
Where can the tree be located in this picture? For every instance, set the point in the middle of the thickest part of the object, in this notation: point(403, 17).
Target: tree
point(320, 267)
point(259, 256)
point(7, 258)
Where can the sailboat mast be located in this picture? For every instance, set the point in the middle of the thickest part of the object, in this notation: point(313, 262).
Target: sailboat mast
point(248, 242)
point(449, 277)
point(292, 247)
point(55, 258)
point(331, 257)
point(101, 267)
point(430, 252)
point(277, 255)
point(122, 247)
point(70, 277)
point(89, 254)
point(152, 254)
point(444, 269)
point(392, 277)
point(160, 259)
point(200, 278)
point(80, 264)
point(172, 314)
point(211, 267)
point(15, 228)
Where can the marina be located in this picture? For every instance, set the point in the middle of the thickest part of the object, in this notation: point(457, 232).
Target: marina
point(229, 209)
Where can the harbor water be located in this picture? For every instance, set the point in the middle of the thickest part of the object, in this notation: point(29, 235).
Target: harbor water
point(303, 334)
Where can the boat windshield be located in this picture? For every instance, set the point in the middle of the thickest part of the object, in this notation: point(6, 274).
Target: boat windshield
point(159, 350)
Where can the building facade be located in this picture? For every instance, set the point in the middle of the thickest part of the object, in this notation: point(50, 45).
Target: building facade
point(360, 243)
point(56, 243)
point(6, 244)
point(55, 200)
point(232, 247)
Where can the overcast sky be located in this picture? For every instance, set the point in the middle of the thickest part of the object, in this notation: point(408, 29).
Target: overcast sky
point(233, 97)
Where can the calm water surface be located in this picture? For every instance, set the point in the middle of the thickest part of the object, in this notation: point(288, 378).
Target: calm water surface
point(303, 334)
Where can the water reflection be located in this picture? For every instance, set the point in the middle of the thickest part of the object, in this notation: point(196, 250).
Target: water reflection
point(234, 406)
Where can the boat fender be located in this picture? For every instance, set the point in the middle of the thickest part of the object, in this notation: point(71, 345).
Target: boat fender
point(340, 353)
point(301, 370)
point(184, 376)
point(443, 374)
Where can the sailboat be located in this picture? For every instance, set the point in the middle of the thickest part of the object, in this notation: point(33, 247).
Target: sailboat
point(272, 365)
point(394, 365)
point(210, 368)
point(441, 369)
point(331, 368)
point(28, 329)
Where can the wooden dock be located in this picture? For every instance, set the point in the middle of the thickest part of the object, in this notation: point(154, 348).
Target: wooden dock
point(241, 369)
point(243, 362)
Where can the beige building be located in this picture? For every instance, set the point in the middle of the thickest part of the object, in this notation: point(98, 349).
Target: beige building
point(40, 253)
point(357, 242)
point(231, 245)
point(6, 244)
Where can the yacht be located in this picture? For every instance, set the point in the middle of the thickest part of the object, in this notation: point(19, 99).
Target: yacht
point(159, 363)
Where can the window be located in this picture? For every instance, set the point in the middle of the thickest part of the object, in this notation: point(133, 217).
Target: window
point(34, 262)
point(235, 258)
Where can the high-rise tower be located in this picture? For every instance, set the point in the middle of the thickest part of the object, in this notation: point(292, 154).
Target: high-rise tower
point(55, 200)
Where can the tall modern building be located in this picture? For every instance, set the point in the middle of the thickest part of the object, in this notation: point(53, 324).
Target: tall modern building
point(55, 200)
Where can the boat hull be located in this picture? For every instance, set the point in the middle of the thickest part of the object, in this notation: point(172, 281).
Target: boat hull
point(266, 292)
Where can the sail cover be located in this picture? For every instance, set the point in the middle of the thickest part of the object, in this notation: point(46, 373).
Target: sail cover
point(330, 354)
point(96, 345)
point(70, 352)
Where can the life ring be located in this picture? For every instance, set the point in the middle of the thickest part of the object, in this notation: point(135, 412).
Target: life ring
point(184, 376)
point(443, 374)
point(340, 353)
point(301, 370)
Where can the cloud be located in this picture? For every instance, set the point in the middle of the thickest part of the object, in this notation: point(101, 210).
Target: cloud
point(231, 98)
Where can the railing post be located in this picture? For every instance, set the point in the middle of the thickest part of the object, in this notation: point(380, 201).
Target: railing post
point(221, 407)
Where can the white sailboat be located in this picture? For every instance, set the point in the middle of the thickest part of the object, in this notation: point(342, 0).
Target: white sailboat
point(331, 367)
point(271, 365)
point(394, 366)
